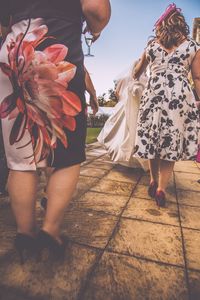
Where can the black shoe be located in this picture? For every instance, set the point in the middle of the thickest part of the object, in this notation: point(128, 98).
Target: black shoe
point(45, 242)
point(25, 246)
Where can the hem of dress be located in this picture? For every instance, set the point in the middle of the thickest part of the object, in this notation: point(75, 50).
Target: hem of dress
point(172, 160)
point(29, 169)
point(26, 169)
point(70, 164)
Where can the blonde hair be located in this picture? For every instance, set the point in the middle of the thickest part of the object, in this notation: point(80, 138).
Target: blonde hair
point(172, 30)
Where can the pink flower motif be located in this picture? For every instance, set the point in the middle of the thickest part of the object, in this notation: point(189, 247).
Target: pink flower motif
point(40, 100)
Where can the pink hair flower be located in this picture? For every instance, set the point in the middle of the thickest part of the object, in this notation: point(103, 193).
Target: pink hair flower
point(171, 8)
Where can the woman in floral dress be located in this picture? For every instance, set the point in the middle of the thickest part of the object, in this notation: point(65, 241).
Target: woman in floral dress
point(42, 106)
point(167, 128)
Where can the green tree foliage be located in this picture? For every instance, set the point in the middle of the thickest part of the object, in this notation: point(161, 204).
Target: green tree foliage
point(112, 96)
point(102, 99)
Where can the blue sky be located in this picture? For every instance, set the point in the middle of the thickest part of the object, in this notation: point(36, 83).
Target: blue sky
point(125, 37)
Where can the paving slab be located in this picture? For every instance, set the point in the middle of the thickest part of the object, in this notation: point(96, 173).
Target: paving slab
point(90, 158)
point(143, 209)
point(114, 187)
point(194, 282)
point(4, 201)
point(105, 158)
point(141, 191)
point(144, 248)
point(85, 183)
point(187, 181)
point(46, 279)
point(89, 228)
point(119, 277)
point(187, 164)
point(78, 193)
point(100, 165)
point(125, 176)
point(96, 152)
point(7, 231)
point(187, 167)
point(189, 198)
point(192, 246)
point(190, 217)
point(148, 240)
point(93, 172)
point(112, 204)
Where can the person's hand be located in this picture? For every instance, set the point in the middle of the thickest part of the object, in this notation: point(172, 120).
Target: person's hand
point(95, 35)
point(94, 104)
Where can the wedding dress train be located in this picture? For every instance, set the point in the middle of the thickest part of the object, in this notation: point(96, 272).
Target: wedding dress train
point(118, 133)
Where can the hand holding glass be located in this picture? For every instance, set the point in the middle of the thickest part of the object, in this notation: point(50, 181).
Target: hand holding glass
point(88, 41)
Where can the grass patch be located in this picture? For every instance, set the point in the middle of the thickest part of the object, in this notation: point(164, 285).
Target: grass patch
point(92, 134)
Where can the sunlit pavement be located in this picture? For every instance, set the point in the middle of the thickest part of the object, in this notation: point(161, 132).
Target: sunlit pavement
point(121, 245)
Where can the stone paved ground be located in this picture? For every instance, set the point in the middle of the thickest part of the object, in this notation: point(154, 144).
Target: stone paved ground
point(121, 246)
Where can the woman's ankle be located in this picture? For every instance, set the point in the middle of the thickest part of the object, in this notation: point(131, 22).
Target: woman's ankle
point(27, 232)
point(160, 189)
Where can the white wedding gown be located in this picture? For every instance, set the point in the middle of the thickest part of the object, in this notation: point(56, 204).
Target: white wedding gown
point(118, 133)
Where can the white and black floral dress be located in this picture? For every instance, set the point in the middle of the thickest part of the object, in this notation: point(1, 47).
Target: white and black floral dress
point(167, 122)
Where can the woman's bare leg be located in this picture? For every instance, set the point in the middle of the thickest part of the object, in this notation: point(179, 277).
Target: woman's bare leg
point(154, 169)
point(166, 169)
point(60, 189)
point(22, 187)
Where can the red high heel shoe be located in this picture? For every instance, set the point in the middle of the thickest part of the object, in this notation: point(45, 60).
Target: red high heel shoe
point(160, 198)
point(152, 189)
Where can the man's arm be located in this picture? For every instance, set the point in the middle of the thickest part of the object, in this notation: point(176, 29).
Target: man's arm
point(97, 14)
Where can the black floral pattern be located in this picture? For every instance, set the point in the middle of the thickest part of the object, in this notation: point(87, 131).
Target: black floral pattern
point(167, 121)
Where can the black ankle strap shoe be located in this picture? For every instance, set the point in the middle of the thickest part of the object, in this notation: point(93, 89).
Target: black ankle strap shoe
point(25, 246)
point(47, 242)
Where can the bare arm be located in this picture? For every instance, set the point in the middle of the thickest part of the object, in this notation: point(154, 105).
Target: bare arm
point(92, 92)
point(89, 84)
point(97, 14)
point(196, 72)
point(140, 67)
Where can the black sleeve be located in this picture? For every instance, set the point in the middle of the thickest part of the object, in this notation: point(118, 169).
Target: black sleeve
point(4, 12)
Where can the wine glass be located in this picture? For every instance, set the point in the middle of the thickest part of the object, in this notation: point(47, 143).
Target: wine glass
point(88, 41)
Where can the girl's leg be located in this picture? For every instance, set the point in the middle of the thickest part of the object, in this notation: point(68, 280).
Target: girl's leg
point(60, 189)
point(22, 187)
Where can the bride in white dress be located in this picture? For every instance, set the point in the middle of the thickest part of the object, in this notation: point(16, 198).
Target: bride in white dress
point(118, 133)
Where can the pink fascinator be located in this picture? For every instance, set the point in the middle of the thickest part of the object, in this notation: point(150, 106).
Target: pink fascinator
point(171, 8)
